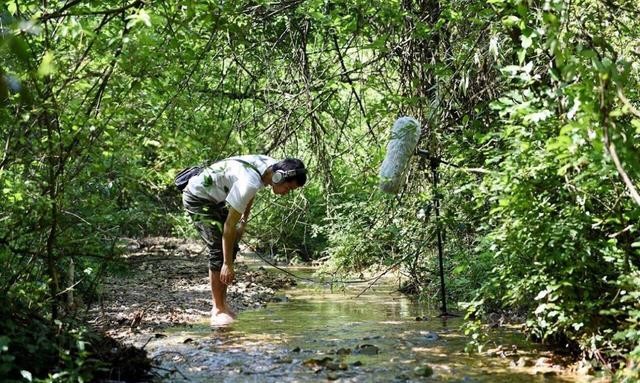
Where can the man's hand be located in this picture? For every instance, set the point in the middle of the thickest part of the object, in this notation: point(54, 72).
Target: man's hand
point(227, 275)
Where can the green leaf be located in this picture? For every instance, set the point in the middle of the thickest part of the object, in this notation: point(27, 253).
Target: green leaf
point(20, 49)
point(522, 53)
point(541, 294)
point(47, 66)
point(526, 41)
point(27, 375)
point(4, 91)
point(459, 269)
point(141, 17)
point(540, 308)
point(4, 343)
point(144, 17)
point(538, 116)
point(12, 7)
point(511, 21)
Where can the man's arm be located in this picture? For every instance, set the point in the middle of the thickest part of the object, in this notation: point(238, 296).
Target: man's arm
point(243, 221)
point(229, 235)
point(247, 211)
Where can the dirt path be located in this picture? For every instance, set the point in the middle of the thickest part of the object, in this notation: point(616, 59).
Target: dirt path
point(166, 284)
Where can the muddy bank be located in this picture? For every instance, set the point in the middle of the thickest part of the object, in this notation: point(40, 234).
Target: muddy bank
point(165, 284)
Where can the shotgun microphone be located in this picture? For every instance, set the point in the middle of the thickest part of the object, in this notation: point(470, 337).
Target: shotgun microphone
point(404, 139)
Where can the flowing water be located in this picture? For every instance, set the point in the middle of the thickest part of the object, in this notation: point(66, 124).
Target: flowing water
point(316, 335)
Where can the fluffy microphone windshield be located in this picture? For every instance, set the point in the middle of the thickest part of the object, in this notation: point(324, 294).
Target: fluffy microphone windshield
point(404, 139)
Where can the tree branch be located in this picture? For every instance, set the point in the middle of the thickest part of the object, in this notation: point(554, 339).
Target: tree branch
point(610, 146)
point(61, 12)
point(627, 103)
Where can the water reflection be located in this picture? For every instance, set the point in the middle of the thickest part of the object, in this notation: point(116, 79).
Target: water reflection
point(318, 335)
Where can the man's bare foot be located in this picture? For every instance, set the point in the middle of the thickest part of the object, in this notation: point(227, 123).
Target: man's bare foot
point(228, 310)
point(221, 319)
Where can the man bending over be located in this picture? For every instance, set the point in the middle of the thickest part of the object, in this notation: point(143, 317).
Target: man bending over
point(219, 201)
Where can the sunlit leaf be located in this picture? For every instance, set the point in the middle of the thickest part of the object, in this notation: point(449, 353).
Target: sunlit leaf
point(47, 66)
point(541, 294)
point(12, 7)
point(527, 41)
point(538, 116)
point(27, 375)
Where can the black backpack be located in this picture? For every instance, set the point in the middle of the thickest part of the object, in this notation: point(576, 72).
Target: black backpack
point(182, 178)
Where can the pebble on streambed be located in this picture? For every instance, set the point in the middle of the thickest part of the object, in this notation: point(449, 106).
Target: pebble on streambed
point(429, 336)
point(328, 363)
point(367, 349)
point(425, 371)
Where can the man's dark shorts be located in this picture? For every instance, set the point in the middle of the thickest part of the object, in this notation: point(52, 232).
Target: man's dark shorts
point(208, 218)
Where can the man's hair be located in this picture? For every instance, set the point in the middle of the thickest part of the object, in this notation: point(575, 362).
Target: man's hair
point(292, 164)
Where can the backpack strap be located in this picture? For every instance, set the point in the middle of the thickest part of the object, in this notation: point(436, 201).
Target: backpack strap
point(252, 166)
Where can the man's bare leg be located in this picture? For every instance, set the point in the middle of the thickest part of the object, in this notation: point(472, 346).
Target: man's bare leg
point(221, 313)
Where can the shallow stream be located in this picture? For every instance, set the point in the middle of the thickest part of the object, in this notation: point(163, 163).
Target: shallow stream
point(312, 334)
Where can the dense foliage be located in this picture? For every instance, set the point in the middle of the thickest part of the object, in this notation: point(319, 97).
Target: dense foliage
point(530, 106)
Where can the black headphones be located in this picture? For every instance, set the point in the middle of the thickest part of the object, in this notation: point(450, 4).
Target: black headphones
point(280, 176)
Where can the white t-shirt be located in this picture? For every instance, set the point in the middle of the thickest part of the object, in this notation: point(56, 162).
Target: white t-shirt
point(231, 180)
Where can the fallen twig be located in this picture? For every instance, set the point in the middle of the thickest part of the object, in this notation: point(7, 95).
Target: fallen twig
point(172, 371)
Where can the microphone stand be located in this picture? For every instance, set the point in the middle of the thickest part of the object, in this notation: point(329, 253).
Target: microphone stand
point(434, 162)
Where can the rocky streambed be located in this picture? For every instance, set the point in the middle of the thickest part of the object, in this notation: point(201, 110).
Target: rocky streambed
point(300, 332)
point(164, 283)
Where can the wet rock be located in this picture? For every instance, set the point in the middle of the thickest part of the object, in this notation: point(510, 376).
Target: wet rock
point(586, 370)
point(524, 362)
point(425, 371)
point(343, 351)
point(331, 376)
point(317, 362)
point(544, 362)
point(236, 364)
point(284, 360)
point(495, 320)
point(333, 366)
point(429, 336)
point(367, 349)
point(584, 367)
point(371, 337)
point(496, 352)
